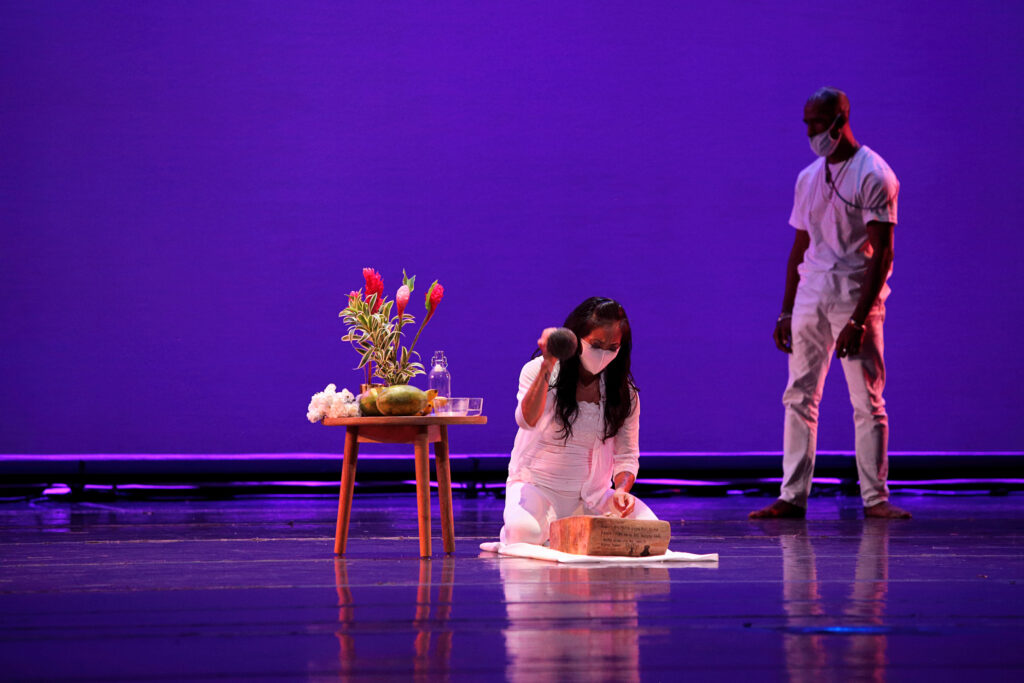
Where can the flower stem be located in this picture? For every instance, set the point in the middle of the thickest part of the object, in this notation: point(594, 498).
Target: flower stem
point(414, 339)
point(398, 338)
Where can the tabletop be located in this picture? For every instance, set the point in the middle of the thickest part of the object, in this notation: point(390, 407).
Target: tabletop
point(405, 421)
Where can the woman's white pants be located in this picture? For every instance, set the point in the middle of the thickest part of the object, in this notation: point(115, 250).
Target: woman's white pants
point(530, 509)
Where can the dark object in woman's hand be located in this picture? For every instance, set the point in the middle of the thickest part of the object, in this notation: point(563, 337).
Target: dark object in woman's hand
point(561, 343)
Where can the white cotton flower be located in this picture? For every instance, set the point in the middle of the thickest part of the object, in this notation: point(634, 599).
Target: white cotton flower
point(313, 413)
point(318, 406)
point(337, 408)
point(332, 403)
point(342, 405)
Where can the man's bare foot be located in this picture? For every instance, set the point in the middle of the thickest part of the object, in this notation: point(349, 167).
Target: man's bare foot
point(780, 509)
point(884, 510)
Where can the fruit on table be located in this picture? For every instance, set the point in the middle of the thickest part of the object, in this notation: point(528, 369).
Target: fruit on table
point(431, 395)
point(401, 399)
point(368, 402)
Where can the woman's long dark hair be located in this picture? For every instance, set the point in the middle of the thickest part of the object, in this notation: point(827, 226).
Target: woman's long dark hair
point(618, 379)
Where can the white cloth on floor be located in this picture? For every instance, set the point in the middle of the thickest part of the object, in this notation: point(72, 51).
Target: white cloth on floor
point(539, 552)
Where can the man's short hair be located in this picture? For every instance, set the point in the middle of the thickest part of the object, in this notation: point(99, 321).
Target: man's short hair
point(834, 98)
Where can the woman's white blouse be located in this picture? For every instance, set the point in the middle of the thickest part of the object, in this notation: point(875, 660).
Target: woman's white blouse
point(608, 458)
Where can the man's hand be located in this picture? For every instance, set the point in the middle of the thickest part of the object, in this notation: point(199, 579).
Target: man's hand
point(623, 503)
point(849, 340)
point(783, 334)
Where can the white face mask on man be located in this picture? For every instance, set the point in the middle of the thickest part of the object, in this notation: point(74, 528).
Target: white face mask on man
point(823, 144)
point(596, 360)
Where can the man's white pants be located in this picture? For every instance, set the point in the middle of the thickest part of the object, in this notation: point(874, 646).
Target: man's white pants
point(530, 509)
point(815, 329)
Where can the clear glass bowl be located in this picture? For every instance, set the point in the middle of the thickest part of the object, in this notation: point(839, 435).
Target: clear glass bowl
point(456, 407)
point(475, 406)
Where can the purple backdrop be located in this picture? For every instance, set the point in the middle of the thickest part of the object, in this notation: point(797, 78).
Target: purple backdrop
point(188, 191)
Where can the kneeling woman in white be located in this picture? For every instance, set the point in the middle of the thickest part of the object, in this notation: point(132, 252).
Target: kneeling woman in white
point(579, 423)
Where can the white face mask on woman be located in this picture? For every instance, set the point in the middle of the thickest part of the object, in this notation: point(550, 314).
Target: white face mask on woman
point(823, 144)
point(596, 360)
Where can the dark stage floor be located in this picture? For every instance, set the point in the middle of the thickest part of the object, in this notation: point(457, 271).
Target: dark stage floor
point(141, 590)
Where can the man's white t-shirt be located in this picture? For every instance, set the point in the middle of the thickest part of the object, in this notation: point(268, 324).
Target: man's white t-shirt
point(836, 261)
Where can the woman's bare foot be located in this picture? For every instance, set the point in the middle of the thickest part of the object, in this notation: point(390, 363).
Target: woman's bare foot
point(780, 509)
point(884, 510)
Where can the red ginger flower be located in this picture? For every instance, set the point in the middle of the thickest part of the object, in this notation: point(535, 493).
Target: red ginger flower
point(402, 300)
point(434, 295)
point(353, 296)
point(374, 285)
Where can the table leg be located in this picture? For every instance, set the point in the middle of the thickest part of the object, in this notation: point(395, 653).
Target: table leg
point(444, 490)
point(348, 482)
point(422, 448)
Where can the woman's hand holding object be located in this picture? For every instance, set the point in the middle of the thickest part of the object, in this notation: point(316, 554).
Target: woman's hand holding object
point(542, 344)
point(623, 502)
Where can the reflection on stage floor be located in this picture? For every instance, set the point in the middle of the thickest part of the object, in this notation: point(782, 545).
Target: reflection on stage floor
point(248, 588)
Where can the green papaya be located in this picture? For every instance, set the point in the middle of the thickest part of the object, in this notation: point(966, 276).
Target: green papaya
point(368, 402)
point(401, 399)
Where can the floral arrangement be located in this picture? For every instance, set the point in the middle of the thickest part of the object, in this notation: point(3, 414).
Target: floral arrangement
point(377, 336)
point(376, 333)
point(332, 403)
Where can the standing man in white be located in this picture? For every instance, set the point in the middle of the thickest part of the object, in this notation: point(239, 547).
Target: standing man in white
point(844, 212)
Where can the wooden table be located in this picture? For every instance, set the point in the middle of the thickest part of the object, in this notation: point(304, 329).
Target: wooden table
point(420, 432)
